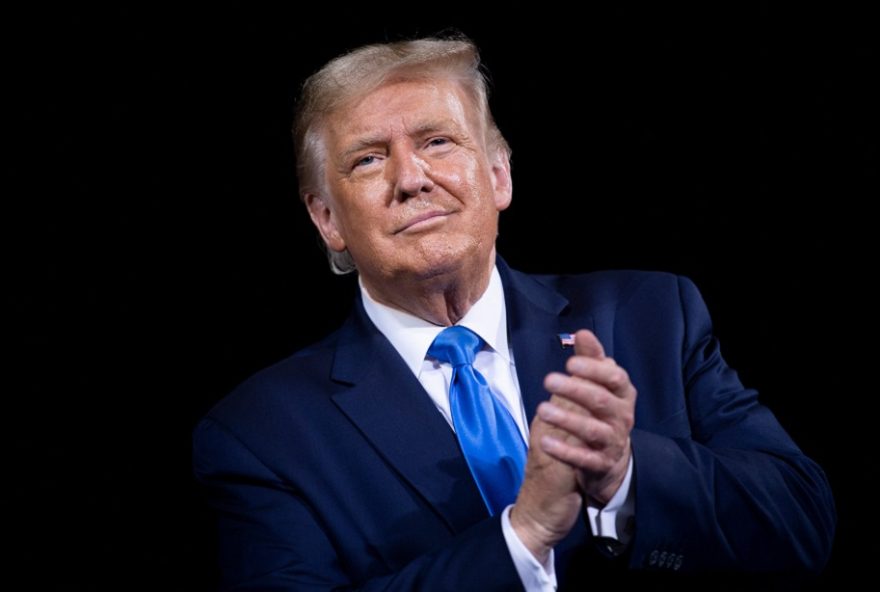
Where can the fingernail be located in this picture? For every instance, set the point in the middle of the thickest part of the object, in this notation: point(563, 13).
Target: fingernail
point(554, 382)
point(549, 442)
point(578, 364)
point(549, 411)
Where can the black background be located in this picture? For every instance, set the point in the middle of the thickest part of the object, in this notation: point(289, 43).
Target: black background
point(157, 253)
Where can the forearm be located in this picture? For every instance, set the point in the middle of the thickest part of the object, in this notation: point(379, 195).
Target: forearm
point(732, 487)
point(728, 508)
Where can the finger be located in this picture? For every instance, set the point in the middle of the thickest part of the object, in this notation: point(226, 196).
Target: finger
point(589, 430)
point(605, 372)
point(540, 428)
point(592, 396)
point(582, 458)
point(568, 405)
point(587, 344)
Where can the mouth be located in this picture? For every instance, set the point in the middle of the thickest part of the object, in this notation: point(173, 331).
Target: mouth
point(422, 221)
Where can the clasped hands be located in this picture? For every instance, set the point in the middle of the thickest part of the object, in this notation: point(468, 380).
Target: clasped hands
point(579, 446)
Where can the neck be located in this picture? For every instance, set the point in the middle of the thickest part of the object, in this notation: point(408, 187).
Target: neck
point(443, 299)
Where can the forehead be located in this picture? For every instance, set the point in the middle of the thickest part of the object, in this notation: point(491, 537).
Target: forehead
point(402, 107)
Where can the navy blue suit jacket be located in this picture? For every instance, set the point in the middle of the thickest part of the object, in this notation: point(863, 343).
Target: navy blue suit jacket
point(333, 468)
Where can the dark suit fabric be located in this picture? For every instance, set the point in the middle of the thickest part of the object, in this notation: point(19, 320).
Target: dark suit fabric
point(333, 468)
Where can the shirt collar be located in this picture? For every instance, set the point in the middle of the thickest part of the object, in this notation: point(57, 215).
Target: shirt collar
point(412, 336)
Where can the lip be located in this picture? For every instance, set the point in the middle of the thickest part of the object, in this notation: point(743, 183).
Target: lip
point(418, 220)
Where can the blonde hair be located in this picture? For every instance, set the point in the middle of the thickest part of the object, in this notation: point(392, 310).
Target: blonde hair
point(365, 69)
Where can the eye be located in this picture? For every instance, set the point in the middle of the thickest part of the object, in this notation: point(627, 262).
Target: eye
point(366, 160)
point(437, 141)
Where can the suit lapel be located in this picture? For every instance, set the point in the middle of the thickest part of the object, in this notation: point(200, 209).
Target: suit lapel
point(393, 411)
point(536, 314)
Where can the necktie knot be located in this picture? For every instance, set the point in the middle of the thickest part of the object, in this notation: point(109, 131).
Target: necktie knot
point(456, 345)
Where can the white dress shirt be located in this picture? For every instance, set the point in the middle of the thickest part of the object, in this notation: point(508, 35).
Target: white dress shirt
point(412, 336)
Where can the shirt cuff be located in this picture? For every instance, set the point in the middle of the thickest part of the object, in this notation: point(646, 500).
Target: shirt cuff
point(612, 521)
point(534, 576)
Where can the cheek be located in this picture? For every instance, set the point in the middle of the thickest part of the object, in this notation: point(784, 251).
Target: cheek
point(361, 203)
point(464, 178)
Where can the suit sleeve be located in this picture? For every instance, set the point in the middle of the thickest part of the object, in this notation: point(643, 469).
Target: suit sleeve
point(270, 540)
point(737, 494)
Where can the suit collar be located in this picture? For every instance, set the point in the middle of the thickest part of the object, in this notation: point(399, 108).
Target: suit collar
point(517, 284)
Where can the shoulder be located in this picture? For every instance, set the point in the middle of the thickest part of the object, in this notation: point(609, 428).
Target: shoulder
point(620, 300)
point(621, 287)
point(284, 389)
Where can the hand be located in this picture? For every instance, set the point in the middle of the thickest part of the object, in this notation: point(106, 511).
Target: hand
point(549, 502)
point(599, 423)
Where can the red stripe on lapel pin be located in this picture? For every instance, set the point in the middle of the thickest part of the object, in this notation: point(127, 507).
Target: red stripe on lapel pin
point(566, 339)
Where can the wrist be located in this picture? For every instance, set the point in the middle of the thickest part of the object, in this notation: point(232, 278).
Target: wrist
point(534, 536)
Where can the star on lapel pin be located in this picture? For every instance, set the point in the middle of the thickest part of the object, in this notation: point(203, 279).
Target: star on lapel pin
point(566, 340)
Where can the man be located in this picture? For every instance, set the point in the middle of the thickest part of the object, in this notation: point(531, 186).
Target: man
point(377, 459)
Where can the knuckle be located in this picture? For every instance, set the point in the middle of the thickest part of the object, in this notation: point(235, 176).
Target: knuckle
point(601, 402)
point(617, 378)
point(605, 464)
point(588, 432)
point(613, 379)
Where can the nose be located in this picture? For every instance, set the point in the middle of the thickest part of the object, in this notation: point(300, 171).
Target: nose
point(412, 177)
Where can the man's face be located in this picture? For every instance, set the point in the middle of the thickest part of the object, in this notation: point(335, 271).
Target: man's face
point(413, 191)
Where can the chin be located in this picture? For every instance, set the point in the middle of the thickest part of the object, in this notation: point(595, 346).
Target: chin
point(447, 258)
point(437, 268)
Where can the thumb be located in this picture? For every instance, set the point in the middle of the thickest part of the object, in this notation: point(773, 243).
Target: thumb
point(586, 344)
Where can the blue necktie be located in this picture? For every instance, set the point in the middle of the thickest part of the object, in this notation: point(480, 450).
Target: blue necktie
point(489, 438)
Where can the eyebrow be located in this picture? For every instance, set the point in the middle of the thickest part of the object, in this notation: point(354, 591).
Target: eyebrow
point(421, 129)
point(361, 143)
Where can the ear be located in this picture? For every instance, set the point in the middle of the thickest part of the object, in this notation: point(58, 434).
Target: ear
point(325, 221)
point(502, 183)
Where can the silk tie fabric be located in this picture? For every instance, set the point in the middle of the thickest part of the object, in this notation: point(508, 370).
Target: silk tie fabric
point(491, 442)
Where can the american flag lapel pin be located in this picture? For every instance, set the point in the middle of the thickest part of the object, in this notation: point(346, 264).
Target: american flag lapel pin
point(566, 340)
